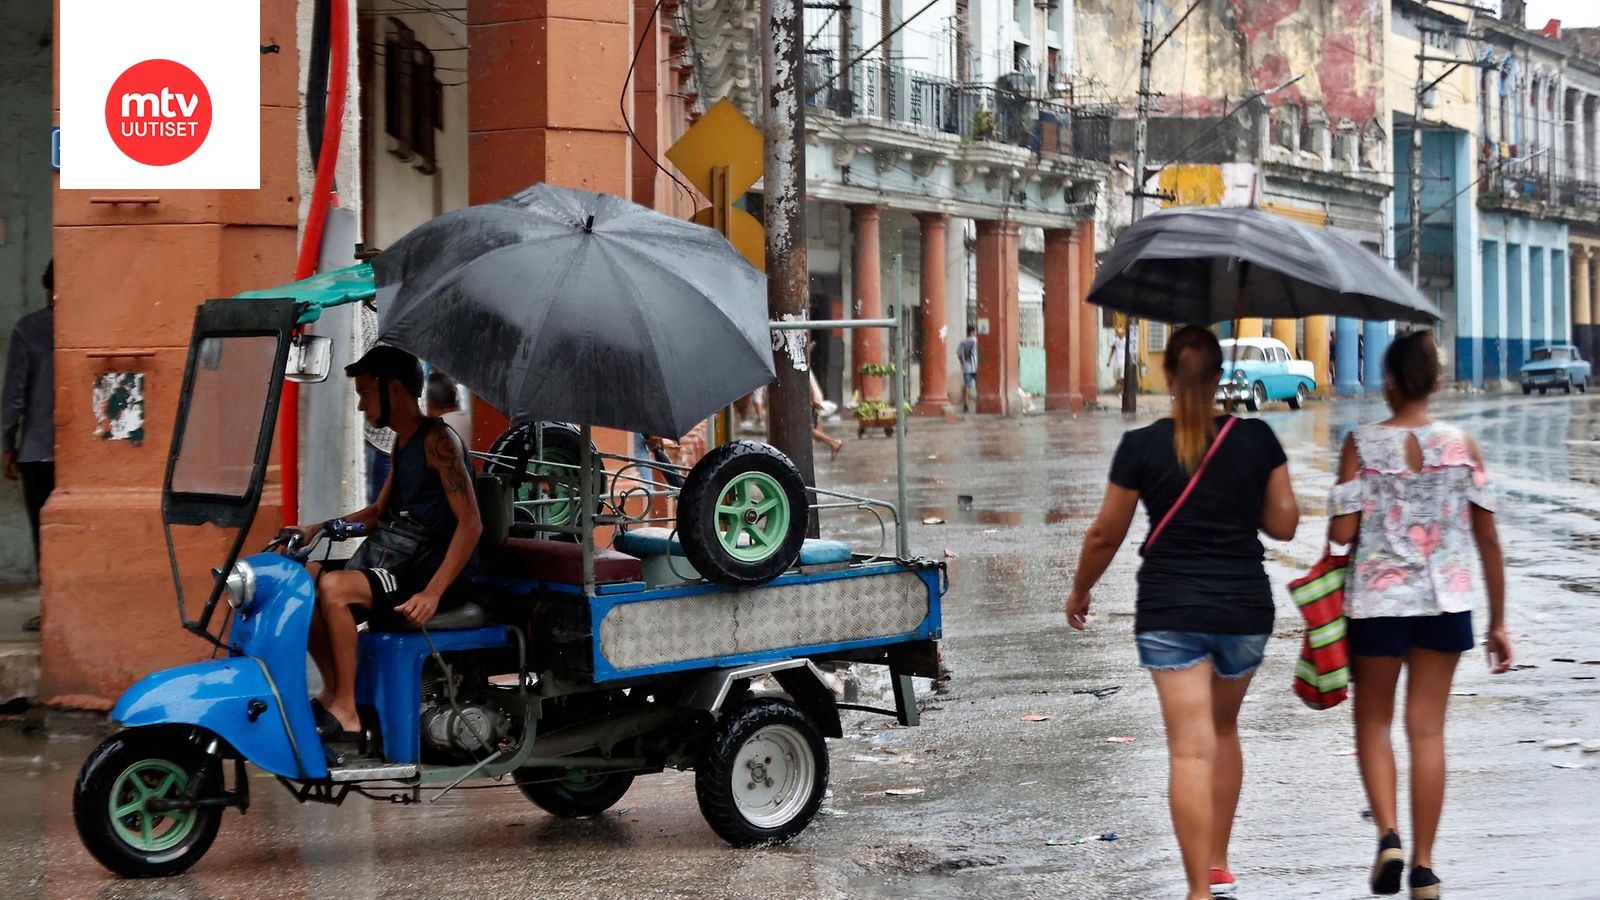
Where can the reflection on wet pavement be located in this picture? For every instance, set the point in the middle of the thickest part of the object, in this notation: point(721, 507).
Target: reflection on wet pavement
point(1008, 806)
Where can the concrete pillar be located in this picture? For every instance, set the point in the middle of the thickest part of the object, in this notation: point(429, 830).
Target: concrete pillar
point(1348, 362)
point(1580, 148)
point(998, 358)
point(1376, 338)
point(935, 394)
point(1088, 333)
point(1317, 351)
point(1062, 319)
point(1584, 259)
point(542, 106)
point(866, 344)
point(1251, 328)
point(128, 277)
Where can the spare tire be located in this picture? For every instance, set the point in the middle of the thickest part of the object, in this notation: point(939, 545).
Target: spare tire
point(742, 514)
point(556, 470)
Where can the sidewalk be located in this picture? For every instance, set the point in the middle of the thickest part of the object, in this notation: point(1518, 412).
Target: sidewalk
point(19, 650)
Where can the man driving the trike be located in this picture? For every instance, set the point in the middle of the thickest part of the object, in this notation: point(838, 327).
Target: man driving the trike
point(423, 532)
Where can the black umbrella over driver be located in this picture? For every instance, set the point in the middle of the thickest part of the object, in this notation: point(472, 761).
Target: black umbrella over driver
point(565, 305)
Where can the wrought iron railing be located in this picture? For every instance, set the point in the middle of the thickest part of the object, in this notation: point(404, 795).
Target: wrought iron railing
point(1501, 183)
point(914, 100)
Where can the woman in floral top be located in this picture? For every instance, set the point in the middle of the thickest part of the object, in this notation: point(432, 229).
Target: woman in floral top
point(1414, 499)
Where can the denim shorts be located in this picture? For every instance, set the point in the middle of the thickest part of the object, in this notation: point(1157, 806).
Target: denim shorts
point(1231, 655)
point(1396, 635)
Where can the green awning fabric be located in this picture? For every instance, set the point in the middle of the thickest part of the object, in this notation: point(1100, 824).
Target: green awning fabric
point(319, 292)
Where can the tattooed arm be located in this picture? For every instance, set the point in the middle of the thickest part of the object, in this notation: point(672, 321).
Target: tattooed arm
point(446, 456)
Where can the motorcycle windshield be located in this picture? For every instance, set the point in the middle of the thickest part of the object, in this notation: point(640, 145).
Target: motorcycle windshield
point(222, 439)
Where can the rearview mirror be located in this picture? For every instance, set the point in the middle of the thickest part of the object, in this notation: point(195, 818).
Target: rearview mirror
point(310, 358)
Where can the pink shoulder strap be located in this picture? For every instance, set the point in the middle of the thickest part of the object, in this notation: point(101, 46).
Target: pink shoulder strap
point(1194, 480)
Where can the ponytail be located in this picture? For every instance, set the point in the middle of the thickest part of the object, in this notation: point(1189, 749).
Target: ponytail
point(1193, 364)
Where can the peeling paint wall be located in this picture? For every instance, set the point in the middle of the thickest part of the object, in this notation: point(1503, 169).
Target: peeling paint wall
point(1228, 49)
point(25, 218)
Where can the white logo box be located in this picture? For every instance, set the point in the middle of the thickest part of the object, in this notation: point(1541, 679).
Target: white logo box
point(220, 40)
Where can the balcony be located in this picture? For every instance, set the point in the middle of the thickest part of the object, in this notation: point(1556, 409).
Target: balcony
point(976, 113)
point(1537, 194)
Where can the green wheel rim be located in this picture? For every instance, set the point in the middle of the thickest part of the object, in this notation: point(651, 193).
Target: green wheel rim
point(556, 468)
point(138, 784)
point(582, 781)
point(752, 516)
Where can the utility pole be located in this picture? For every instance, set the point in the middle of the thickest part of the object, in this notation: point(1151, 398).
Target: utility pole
point(783, 202)
point(1141, 129)
point(1416, 159)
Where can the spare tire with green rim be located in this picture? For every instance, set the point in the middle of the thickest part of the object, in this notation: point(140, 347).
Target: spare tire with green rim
point(742, 514)
point(554, 473)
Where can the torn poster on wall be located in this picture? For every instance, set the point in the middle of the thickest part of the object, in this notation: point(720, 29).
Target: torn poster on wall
point(119, 406)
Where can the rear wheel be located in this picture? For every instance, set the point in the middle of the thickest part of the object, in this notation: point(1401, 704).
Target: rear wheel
point(1257, 398)
point(1301, 395)
point(762, 778)
point(116, 788)
point(1526, 390)
point(1543, 391)
point(581, 793)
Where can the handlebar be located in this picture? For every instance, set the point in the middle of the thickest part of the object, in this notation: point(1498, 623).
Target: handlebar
point(291, 542)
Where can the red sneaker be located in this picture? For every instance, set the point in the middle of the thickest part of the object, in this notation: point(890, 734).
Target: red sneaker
point(1222, 883)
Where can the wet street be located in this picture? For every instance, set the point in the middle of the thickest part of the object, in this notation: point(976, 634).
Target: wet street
point(986, 803)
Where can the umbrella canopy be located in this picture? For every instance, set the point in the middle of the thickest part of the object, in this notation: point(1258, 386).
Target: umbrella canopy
point(565, 305)
point(1186, 265)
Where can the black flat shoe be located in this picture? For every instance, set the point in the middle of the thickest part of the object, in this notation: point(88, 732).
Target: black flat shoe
point(1391, 862)
point(1424, 884)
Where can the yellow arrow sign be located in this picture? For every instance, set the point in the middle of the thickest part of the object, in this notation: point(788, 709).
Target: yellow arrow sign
point(722, 137)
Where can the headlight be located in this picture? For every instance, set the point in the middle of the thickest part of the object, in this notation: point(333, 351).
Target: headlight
point(240, 586)
point(1238, 375)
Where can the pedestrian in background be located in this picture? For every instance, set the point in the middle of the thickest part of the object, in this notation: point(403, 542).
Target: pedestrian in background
point(1414, 499)
point(28, 451)
point(1117, 359)
point(967, 355)
point(1204, 610)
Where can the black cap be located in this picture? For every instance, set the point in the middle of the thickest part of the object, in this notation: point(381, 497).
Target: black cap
point(385, 361)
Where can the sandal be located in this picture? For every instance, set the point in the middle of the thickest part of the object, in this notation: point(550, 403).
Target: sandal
point(330, 729)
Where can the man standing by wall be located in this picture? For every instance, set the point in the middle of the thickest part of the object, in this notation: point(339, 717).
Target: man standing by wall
point(27, 428)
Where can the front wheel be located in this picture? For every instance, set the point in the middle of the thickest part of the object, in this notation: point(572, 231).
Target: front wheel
point(112, 798)
point(1568, 386)
point(761, 779)
point(581, 793)
point(1526, 390)
point(1258, 397)
point(1583, 386)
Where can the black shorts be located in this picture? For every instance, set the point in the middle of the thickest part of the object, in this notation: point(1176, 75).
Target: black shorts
point(393, 587)
point(1396, 635)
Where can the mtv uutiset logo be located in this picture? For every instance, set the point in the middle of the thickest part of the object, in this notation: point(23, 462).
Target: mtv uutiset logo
point(160, 94)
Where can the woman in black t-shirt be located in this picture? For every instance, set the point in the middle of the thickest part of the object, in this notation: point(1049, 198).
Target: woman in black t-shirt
point(1204, 609)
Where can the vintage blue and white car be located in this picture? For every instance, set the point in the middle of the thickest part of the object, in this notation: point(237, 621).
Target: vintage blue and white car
point(1256, 370)
point(1556, 366)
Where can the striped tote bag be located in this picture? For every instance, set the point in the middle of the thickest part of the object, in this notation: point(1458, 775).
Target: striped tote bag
point(1322, 677)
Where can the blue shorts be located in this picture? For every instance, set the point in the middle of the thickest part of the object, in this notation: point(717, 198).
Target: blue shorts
point(1396, 635)
point(1231, 655)
point(970, 379)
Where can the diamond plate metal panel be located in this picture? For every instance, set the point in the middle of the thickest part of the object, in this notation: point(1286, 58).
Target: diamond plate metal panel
point(681, 629)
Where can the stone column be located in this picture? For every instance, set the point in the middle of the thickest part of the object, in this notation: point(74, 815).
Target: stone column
point(1376, 339)
point(1285, 330)
point(935, 394)
point(128, 277)
point(1317, 351)
point(1251, 328)
point(1088, 334)
point(1582, 310)
point(866, 344)
point(542, 106)
point(1062, 319)
point(998, 362)
point(1580, 143)
point(1348, 361)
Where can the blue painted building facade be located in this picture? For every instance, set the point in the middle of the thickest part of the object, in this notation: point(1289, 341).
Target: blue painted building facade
point(1525, 290)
